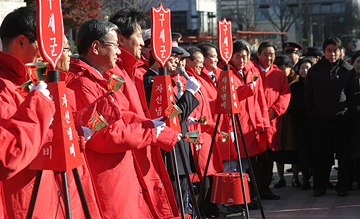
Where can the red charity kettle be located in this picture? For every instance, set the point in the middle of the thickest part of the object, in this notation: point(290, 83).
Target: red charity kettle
point(227, 188)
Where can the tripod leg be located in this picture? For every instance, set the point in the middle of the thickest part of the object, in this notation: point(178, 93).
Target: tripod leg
point(34, 194)
point(203, 182)
point(66, 194)
point(178, 186)
point(240, 167)
point(252, 175)
point(81, 193)
point(187, 175)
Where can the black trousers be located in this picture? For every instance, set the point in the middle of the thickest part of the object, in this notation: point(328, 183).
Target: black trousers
point(263, 170)
point(329, 137)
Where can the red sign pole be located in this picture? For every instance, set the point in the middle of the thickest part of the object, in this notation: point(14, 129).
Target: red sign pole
point(62, 152)
point(227, 100)
point(162, 94)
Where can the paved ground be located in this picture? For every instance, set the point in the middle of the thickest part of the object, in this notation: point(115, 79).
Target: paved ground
point(296, 203)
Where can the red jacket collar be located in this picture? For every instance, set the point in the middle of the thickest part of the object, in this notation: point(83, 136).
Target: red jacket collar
point(79, 68)
point(14, 68)
point(129, 62)
point(190, 71)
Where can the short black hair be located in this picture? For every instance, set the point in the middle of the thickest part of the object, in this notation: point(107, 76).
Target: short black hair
point(192, 51)
point(239, 45)
point(264, 45)
point(205, 48)
point(91, 30)
point(127, 19)
point(354, 56)
point(21, 21)
point(333, 41)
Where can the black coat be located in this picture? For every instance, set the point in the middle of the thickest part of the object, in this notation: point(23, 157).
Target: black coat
point(331, 91)
point(187, 104)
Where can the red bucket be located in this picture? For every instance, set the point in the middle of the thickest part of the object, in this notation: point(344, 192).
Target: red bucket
point(227, 188)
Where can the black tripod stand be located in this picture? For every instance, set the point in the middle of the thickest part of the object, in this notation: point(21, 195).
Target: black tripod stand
point(65, 193)
point(252, 176)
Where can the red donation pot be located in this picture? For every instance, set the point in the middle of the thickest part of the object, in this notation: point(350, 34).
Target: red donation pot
point(227, 188)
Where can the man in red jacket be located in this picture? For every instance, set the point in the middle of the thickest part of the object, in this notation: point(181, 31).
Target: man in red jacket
point(277, 95)
point(200, 152)
point(25, 120)
point(131, 67)
point(113, 152)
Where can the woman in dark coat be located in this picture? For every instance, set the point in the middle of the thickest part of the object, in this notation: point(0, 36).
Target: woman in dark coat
point(303, 133)
point(291, 121)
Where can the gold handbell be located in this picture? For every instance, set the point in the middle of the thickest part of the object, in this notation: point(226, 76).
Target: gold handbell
point(193, 137)
point(223, 136)
point(37, 71)
point(254, 78)
point(202, 120)
point(97, 122)
point(171, 111)
point(115, 83)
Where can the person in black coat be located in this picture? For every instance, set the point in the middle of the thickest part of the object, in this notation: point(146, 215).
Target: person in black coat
point(187, 103)
point(331, 95)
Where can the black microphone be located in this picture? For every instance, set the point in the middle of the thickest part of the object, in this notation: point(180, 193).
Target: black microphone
point(181, 70)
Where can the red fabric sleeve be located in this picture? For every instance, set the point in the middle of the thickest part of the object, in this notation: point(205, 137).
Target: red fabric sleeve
point(23, 134)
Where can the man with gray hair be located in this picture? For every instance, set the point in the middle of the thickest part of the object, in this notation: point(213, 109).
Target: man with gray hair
point(111, 152)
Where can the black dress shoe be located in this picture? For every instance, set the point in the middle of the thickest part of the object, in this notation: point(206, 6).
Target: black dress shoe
point(270, 197)
point(342, 192)
point(253, 205)
point(319, 192)
point(296, 183)
point(234, 208)
point(305, 186)
point(280, 183)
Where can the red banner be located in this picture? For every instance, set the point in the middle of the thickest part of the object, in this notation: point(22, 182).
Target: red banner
point(227, 99)
point(161, 97)
point(225, 40)
point(50, 30)
point(161, 34)
point(62, 152)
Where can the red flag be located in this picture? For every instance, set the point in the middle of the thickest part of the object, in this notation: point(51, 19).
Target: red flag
point(225, 40)
point(161, 34)
point(50, 30)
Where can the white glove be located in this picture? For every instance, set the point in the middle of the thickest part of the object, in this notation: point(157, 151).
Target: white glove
point(192, 85)
point(87, 133)
point(42, 88)
point(159, 126)
point(191, 121)
point(232, 136)
point(179, 137)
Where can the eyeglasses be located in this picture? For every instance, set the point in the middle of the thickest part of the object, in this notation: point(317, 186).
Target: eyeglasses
point(113, 45)
point(67, 49)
